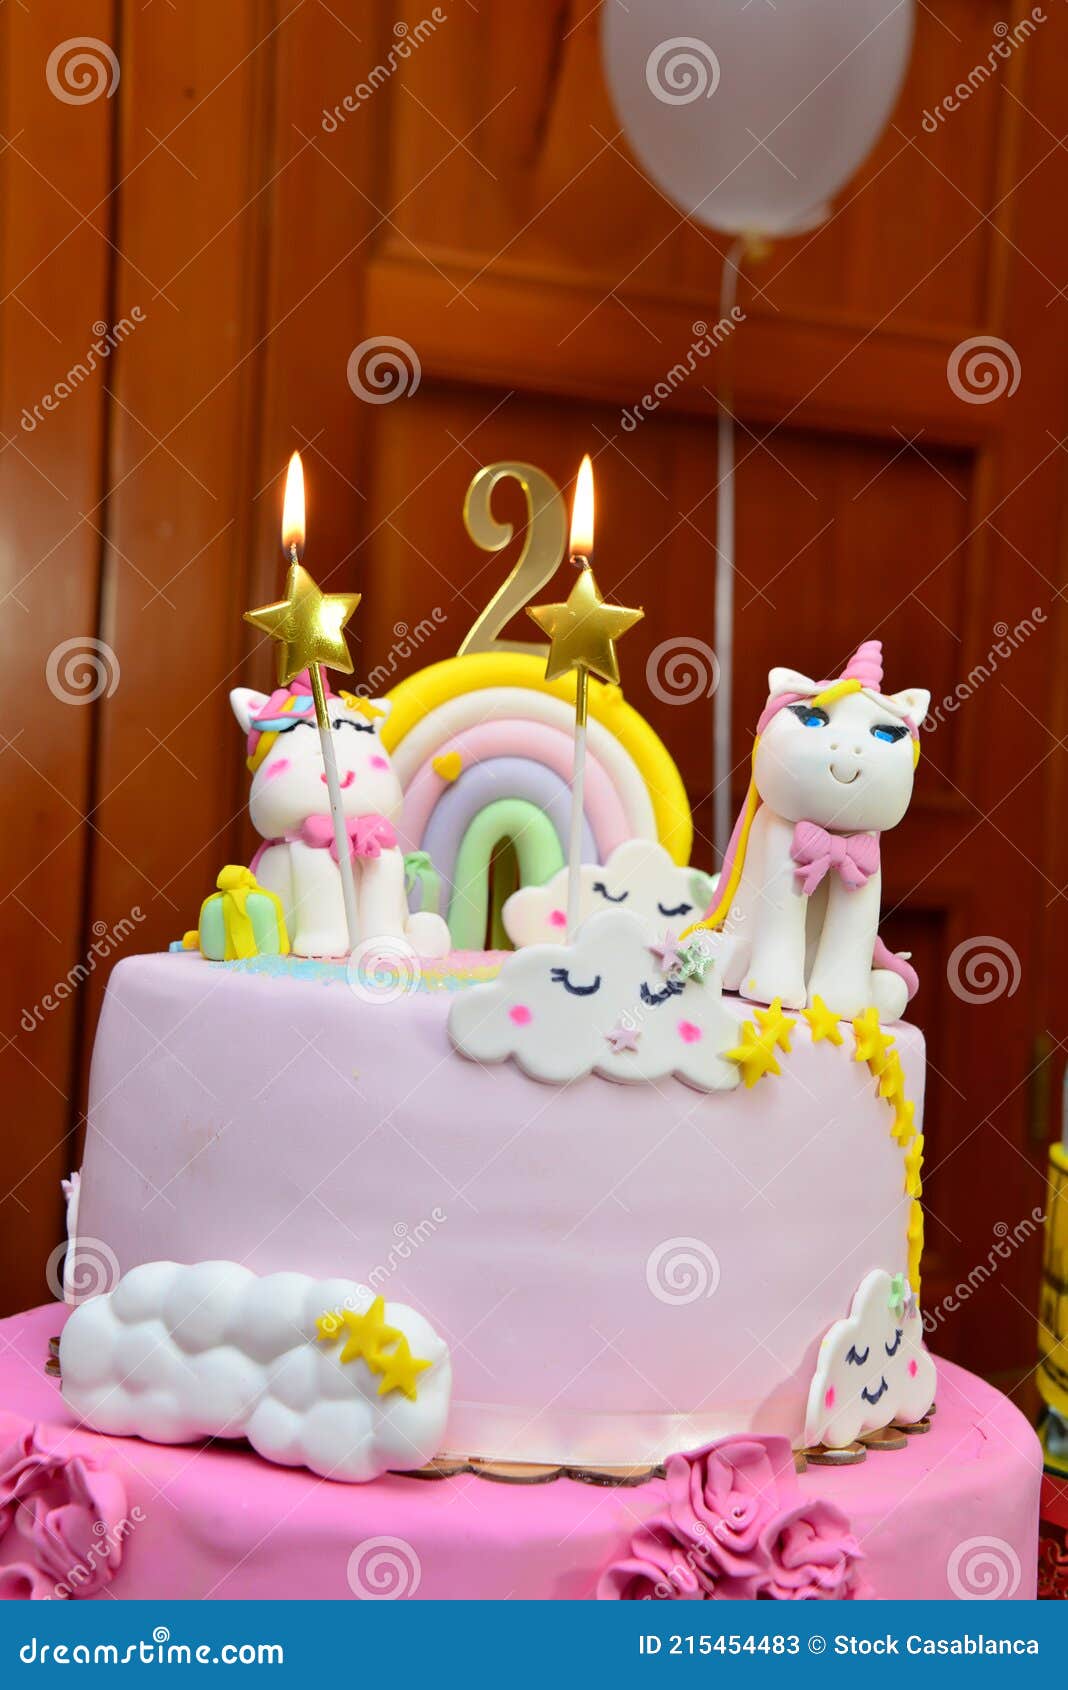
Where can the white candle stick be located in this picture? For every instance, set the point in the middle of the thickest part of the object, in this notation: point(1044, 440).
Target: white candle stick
point(337, 808)
point(578, 803)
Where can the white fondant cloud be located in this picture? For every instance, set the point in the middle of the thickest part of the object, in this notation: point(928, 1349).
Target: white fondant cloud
point(640, 877)
point(552, 1008)
point(858, 1385)
point(178, 1353)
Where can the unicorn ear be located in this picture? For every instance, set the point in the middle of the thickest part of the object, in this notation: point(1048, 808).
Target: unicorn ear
point(245, 704)
point(790, 680)
point(914, 703)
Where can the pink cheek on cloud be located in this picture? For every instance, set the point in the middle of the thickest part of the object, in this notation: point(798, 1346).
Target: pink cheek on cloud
point(379, 763)
point(913, 1368)
point(828, 1401)
point(688, 1033)
point(520, 1014)
point(278, 767)
point(557, 918)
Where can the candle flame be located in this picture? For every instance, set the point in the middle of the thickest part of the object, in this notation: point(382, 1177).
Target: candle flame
point(581, 542)
point(293, 508)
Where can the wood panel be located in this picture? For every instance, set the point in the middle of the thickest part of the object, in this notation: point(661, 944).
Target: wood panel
point(55, 173)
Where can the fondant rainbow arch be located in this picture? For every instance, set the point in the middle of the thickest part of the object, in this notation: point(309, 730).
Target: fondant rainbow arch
point(482, 745)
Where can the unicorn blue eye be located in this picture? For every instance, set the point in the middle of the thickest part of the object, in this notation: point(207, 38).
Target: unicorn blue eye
point(810, 715)
point(561, 977)
point(612, 897)
point(891, 732)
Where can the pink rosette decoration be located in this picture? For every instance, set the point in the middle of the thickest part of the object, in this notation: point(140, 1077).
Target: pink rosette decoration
point(813, 1555)
point(69, 1511)
point(659, 1567)
point(720, 1499)
point(736, 1528)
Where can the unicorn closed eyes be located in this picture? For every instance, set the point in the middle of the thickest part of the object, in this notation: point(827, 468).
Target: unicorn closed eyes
point(290, 806)
point(800, 889)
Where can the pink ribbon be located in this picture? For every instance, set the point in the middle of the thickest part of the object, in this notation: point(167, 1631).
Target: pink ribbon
point(854, 856)
point(368, 835)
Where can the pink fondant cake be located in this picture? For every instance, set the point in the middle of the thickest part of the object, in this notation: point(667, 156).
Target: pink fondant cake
point(588, 1268)
point(954, 1514)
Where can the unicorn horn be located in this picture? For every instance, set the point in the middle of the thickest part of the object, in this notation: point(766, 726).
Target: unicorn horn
point(866, 665)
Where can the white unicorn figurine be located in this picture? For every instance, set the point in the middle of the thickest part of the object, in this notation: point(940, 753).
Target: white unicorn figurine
point(800, 889)
point(290, 807)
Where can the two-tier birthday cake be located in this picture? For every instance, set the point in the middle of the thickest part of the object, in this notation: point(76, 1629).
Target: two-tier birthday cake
point(589, 1267)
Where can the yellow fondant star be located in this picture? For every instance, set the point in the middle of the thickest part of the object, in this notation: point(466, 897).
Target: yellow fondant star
point(755, 1055)
point(913, 1164)
point(328, 1326)
point(308, 625)
point(904, 1121)
point(915, 1239)
point(823, 1023)
point(400, 1370)
point(775, 1025)
point(365, 1333)
point(892, 1080)
point(872, 1043)
point(583, 631)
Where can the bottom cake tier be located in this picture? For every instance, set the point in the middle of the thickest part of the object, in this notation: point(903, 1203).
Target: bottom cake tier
point(954, 1513)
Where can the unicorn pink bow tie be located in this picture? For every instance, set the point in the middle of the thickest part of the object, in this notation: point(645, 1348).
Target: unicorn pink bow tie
point(855, 856)
point(368, 835)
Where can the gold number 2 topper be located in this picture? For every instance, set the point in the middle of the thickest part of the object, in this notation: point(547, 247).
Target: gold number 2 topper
point(544, 545)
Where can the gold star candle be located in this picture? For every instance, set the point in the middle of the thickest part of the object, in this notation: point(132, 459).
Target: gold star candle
point(582, 636)
point(309, 626)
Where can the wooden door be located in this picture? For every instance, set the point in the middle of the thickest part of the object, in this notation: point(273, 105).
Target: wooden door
point(288, 187)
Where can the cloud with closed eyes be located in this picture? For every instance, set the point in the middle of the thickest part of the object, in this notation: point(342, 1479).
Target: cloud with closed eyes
point(639, 877)
point(872, 1367)
point(609, 1004)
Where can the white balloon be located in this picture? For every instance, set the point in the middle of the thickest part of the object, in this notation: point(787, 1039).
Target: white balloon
point(749, 115)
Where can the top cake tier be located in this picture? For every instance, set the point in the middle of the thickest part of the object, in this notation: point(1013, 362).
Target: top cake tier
point(620, 1271)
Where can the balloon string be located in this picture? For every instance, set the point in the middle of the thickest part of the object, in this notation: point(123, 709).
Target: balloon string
point(724, 605)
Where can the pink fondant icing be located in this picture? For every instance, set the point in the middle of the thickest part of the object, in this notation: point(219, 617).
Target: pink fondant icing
point(520, 1014)
point(558, 918)
point(688, 1032)
point(201, 1145)
point(512, 738)
point(219, 1522)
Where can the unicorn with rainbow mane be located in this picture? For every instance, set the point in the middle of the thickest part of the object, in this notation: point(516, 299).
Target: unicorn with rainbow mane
point(290, 807)
point(799, 893)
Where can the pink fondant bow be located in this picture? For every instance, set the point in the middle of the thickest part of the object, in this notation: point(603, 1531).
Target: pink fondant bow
point(368, 835)
point(855, 856)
